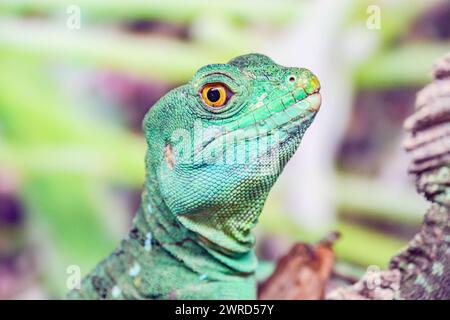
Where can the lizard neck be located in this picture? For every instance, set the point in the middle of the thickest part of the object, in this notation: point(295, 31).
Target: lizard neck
point(158, 226)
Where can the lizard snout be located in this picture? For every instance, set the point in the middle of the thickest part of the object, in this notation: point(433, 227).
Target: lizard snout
point(306, 80)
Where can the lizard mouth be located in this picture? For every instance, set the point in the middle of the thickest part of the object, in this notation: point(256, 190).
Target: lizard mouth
point(285, 120)
point(303, 109)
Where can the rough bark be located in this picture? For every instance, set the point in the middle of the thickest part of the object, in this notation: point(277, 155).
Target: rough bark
point(302, 274)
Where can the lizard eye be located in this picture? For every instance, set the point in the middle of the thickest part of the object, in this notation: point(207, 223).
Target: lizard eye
point(215, 95)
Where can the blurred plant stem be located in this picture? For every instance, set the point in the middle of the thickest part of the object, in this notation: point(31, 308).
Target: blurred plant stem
point(59, 188)
point(387, 69)
point(150, 56)
point(358, 244)
point(367, 197)
point(396, 16)
point(270, 11)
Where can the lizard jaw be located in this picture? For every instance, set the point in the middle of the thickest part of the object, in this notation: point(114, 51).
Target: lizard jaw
point(315, 105)
point(291, 116)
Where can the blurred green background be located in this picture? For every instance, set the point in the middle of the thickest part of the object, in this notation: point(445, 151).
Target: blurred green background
point(77, 77)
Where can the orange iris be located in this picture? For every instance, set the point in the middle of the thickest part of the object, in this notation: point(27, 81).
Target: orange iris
point(214, 94)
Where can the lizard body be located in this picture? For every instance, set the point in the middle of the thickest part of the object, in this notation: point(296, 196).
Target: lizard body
point(215, 148)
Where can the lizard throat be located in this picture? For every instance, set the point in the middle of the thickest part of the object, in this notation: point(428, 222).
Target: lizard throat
point(189, 242)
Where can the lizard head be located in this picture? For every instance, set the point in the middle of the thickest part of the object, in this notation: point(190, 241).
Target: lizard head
point(218, 144)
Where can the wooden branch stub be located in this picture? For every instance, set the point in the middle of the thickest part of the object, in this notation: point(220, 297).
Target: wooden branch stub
point(302, 274)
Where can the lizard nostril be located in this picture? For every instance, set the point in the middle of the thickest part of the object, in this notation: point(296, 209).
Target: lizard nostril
point(292, 79)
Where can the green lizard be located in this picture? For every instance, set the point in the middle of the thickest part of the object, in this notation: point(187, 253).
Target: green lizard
point(215, 148)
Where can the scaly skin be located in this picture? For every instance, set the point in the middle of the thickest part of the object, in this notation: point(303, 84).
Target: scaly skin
point(208, 174)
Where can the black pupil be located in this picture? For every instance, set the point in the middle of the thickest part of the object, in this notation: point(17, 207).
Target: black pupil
point(213, 94)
